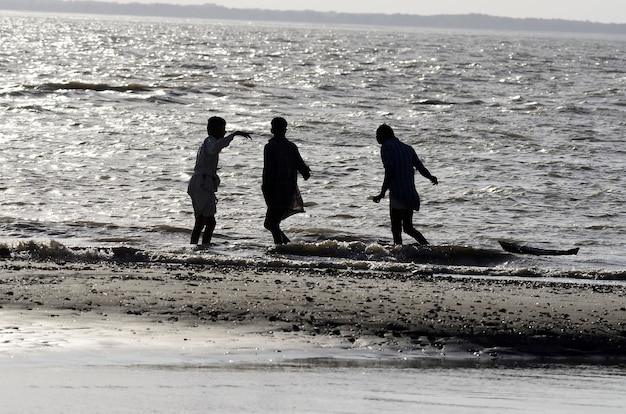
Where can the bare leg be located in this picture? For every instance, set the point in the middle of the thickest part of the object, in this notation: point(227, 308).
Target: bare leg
point(396, 225)
point(208, 232)
point(197, 229)
point(272, 223)
point(407, 219)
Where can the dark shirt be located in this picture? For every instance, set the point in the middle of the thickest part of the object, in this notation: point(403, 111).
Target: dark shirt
point(281, 164)
point(400, 162)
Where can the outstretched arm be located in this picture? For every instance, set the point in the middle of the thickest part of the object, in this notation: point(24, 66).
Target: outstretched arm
point(215, 146)
point(241, 134)
point(301, 166)
point(383, 189)
point(424, 171)
point(384, 155)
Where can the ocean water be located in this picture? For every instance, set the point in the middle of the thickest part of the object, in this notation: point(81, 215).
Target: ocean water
point(316, 388)
point(102, 118)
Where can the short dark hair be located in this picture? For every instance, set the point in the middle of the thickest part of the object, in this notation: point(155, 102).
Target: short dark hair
point(279, 124)
point(384, 132)
point(215, 122)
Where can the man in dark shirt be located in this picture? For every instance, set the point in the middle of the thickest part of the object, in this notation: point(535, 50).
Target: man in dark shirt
point(281, 164)
point(400, 162)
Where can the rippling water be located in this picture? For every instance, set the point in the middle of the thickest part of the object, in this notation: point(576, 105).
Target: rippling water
point(346, 387)
point(102, 117)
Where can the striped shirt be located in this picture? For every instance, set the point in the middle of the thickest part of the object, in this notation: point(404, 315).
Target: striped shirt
point(400, 162)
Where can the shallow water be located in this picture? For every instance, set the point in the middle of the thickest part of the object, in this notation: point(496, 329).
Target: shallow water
point(313, 386)
point(102, 117)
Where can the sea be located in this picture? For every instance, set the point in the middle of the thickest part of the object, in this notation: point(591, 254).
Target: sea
point(102, 117)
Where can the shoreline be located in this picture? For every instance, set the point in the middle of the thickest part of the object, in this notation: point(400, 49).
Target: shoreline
point(213, 308)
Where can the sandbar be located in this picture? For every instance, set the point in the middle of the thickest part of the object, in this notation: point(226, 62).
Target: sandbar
point(74, 305)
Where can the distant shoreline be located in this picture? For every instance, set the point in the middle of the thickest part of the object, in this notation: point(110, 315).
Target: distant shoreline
point(211, 11)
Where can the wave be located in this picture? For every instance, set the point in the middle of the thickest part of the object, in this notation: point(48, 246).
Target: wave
point(573, 109)
point(434, 102)
point(438, 102)
point(99, 87)
point(366, 259)
point(446, 255)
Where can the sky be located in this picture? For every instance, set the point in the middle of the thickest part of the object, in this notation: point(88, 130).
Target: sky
point(603, 11)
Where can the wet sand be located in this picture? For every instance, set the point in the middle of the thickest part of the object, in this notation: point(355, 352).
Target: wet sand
point(48, 305)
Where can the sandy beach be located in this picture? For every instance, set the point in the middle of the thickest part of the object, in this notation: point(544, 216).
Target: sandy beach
point(73, 305)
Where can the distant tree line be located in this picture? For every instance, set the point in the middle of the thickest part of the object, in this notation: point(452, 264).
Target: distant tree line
point(212, 11)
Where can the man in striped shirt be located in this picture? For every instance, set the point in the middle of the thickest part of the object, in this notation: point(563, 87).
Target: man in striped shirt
point(400, 162)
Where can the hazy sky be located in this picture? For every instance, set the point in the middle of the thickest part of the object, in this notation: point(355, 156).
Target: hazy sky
point(605, 11)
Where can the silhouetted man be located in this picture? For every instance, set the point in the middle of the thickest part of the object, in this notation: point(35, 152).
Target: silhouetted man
point(400, 162)
point(204, 182)
point(281, 164)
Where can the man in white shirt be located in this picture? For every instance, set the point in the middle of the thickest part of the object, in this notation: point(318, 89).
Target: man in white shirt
point(204, 181)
